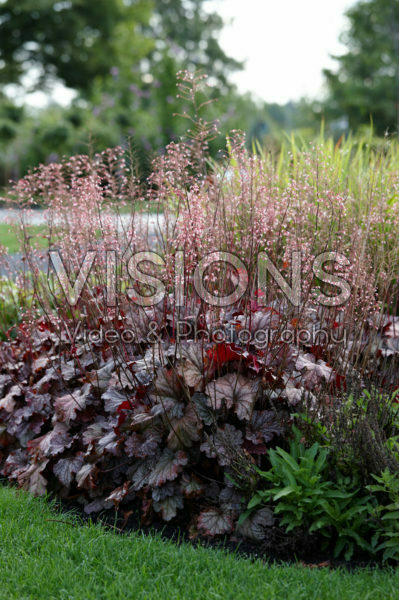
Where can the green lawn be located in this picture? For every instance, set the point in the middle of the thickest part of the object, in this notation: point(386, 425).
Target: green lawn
point(43, 558)
point(9, 238)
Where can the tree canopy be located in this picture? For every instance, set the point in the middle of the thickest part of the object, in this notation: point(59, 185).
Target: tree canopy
point(121, 57)
point(70, 40)
point(82, 41)
point(366, 83)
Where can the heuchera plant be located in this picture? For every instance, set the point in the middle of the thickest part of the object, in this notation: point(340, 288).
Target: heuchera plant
point(170, 421)
point(75, 421)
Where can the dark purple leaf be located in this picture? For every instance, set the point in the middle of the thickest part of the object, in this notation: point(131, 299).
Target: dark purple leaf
point(193, 368)
point(52, 443)
point(168, 467)
point(113, 398)
point(66, 468)
point(15, 464)
point(119, 494)
point(169, 506)
point(32, 479)
point(5, 381)
point(9, 401)
point(263, 427)
point(205, 413)
point(143, 445)
point(191, 486)
point(86, 476)
point(185, 430)
point(224, 445)
point(255, 526)
point(214, 522)
point(68, 405)
point(233, 389)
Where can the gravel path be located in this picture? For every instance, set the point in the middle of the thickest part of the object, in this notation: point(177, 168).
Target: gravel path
point(36, 217)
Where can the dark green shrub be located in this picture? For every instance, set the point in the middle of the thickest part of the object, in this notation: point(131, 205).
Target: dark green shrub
point(361, 428)
point(303, 496)
point(387, 514)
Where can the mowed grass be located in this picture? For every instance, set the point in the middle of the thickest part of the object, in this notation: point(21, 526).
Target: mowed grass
point(44, 554)
point(10, 239)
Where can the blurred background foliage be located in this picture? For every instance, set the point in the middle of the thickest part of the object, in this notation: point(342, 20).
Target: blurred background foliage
point(120, 59)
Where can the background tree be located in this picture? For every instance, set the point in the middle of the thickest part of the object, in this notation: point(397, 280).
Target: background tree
point(185, 36)
point(74, 41)
point(366, 83)
point(121, 58)
point(189, 33)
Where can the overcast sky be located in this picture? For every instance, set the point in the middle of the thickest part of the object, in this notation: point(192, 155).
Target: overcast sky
point(286, 43)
